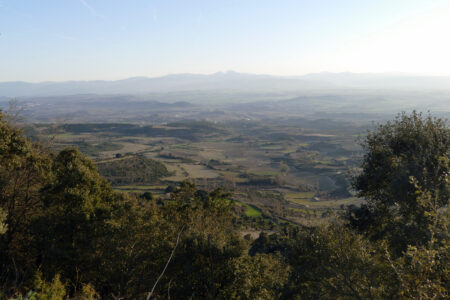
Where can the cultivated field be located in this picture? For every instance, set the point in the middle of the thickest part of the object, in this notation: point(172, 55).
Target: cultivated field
point(278, 171)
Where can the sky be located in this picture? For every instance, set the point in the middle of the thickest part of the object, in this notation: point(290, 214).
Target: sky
point(59, 40)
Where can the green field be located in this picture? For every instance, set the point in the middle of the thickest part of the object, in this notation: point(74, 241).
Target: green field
point(251, 210)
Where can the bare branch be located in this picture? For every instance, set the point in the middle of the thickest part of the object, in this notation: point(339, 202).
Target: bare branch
point(167, 264)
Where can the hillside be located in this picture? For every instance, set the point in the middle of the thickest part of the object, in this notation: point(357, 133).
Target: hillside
point(132, 170)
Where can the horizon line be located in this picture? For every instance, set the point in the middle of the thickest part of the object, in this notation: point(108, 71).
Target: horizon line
point(394, 73)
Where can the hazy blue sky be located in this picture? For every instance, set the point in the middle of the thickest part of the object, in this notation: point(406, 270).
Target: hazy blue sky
point(111, 39)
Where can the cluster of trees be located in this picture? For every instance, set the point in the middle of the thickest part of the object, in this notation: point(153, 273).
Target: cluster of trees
point(131, 170)
point(64, 233)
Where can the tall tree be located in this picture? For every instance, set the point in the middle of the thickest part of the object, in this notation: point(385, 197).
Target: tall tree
point(24, 168)
point(402, 158)
point(78, 207)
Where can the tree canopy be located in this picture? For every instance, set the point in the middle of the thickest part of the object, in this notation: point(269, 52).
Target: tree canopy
point(404, 158)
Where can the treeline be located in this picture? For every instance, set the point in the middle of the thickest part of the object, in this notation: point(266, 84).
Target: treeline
point(190, 130)
point(64, 233)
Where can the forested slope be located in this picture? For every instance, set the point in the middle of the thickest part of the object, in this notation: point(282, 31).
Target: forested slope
point(132, 170)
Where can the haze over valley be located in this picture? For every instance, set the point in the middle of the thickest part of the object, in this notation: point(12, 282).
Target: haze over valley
point(230, 95)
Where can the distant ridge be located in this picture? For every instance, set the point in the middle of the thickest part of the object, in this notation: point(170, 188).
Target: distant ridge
point(227, 81)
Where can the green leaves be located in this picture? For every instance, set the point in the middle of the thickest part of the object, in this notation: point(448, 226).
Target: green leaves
point(412, 146)
point(3, 225)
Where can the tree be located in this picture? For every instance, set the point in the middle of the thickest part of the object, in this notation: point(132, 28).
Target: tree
point(334, 262)
point(24, 168)
point(147, 196)
point(261, 276)
point(208, 246)
point(78, 207)
point(423, 270)
point(401, 157)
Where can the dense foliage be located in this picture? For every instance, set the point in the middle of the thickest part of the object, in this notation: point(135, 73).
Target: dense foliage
point(64, 233)
point(404, 160)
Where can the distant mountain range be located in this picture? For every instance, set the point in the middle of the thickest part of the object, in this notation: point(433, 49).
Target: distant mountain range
point(227, 81)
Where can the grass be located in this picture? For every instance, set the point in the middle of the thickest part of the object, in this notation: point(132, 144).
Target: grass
point(302, 201)
point(156, 190)
point(252, 211)
point(271, 147)
point(232, 175)
point(181, 146)
point(265, 173)
point(323, 203)
point(300, 195)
